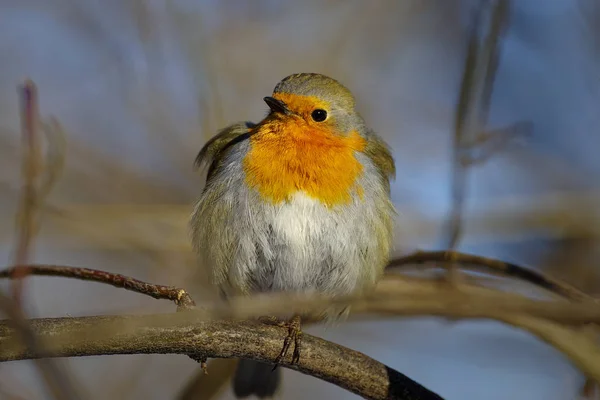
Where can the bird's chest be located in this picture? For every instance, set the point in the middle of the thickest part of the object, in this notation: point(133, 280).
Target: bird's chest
point(324, 168)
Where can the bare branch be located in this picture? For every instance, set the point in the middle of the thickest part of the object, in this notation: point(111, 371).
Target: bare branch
point(25, 220)
point(180, 332)
point(493, 266)
point(472, 111)
point(556, 322)
point(163, 334)
point(177, 295)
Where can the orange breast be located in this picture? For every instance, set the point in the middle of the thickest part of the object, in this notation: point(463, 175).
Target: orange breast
point(287, 156)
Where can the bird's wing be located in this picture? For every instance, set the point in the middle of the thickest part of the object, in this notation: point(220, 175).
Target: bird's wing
point(379, 152)
point(212, 152)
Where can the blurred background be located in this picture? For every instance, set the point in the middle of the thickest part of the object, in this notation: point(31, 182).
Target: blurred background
point(140, 85)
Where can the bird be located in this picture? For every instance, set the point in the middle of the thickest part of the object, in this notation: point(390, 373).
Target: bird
point(296, 203)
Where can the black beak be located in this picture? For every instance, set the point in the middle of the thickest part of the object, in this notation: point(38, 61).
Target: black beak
point(276, 105)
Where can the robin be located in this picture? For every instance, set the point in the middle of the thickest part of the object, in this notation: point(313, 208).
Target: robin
point(299, 202)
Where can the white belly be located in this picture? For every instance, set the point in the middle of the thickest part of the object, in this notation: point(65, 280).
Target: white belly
point(311, 247)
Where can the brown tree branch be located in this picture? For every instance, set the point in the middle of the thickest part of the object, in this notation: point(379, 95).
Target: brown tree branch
point(551, 321)
point(164, 334)
point(491, 266)
point(179, 331)
point(177, 295)
point(395, 295)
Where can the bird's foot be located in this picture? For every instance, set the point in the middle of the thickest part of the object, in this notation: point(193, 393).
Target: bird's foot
point(294, 335)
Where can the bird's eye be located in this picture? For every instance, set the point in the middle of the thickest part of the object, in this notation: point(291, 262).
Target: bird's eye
point(319, 115)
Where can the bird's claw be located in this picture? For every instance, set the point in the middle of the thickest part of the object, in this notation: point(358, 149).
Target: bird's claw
point(294, 335)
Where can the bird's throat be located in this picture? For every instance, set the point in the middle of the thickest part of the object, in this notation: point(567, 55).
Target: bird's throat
point(287, 156)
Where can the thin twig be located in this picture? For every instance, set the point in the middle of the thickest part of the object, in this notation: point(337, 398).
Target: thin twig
point(491, 265)
point(54, 158)
point(177, 295)
point(31, 162)
point(471, 114)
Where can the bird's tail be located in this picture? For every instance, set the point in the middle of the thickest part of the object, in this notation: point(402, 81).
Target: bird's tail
point(255, 378)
